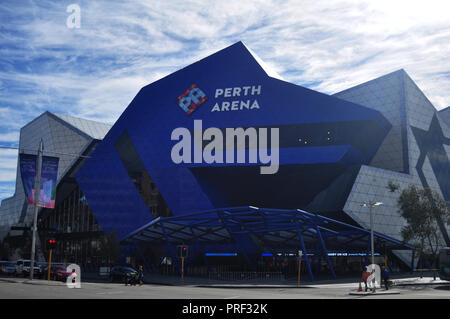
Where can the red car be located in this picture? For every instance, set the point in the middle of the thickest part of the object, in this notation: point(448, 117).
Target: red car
point(58, 272)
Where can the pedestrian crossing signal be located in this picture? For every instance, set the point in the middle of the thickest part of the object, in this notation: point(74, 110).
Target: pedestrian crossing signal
point(182, 251)
point(51, 243)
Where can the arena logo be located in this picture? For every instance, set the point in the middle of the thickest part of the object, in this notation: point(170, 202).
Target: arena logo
point(239, 98)
point(191, 99)
point(238, 103)
point(222, 149)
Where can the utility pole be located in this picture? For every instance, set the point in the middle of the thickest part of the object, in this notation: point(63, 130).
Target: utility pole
point(37, 191)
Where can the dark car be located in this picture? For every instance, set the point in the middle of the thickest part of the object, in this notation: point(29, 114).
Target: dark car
point(120, 273)
point(7, 268)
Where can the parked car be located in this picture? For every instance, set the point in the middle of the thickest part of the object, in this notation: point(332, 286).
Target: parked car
point(42, 265)
point(57, 272)
point(7, 268)
point(22, 268)
point(120, 273)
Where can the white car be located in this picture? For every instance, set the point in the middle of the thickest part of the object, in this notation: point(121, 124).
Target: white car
point(23, 268)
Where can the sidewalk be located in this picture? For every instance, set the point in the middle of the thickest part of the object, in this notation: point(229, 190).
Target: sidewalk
point(31, 282)
point(351, 283)
point(289, 283)
point(419, 281)
point(402, 282)
point(376, 293)
point(86, 277)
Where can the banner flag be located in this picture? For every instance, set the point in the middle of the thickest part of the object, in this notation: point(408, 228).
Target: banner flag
point(49, 175)
point(27, 163)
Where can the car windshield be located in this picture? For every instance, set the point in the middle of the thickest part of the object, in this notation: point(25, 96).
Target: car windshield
point(128, 269)
point(59, 268)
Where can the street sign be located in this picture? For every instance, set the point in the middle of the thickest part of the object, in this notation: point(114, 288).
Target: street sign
point(20, 228)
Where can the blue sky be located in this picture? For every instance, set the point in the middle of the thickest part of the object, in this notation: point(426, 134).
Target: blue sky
point(94, 71)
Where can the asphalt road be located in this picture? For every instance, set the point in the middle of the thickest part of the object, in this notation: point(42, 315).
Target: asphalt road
point(22, 289)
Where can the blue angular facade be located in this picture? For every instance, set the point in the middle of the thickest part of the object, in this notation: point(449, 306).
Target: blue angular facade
point(316, 176)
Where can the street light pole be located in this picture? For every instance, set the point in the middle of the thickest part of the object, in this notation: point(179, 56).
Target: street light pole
point(371, 204)
point(37, 190)
point(372, 242)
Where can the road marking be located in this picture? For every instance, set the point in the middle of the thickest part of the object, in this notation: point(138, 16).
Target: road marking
point(431, 295)
point(109, 293)
point(334, 285)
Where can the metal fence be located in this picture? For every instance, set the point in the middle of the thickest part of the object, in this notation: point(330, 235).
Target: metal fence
point(223, 272)
point(246, 276)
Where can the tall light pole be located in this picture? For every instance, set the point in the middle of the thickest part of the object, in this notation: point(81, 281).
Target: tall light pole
point(371, 205)
point(37, 191)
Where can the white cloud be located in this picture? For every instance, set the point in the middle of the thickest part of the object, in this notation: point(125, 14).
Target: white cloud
point(96, 70)
point(6, 189)
point(335, 44)
point(10, 137)
point(7, 175)
point(8, 165)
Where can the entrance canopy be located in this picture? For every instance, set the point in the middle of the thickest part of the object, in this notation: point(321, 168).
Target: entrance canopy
point(266, 230)
point(269, 228)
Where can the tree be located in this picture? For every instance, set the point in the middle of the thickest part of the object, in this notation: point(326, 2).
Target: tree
point(423, 210)
point(110, 248)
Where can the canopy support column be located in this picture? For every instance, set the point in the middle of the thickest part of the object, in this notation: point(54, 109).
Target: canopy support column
point(325, 252)
point(305, 253)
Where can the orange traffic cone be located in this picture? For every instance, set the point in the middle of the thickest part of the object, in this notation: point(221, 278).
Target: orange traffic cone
point(360, 288)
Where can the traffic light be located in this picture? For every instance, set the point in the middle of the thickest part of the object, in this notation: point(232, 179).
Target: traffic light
point(182, 251)
point(51, 243)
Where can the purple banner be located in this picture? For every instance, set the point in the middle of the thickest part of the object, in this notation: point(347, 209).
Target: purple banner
point(27, 165)
point(49, 175)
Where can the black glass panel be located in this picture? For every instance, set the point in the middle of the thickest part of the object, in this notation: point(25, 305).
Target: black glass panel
point(140, 177)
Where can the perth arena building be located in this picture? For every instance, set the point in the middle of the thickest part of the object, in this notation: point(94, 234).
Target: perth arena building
point(243, 167)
